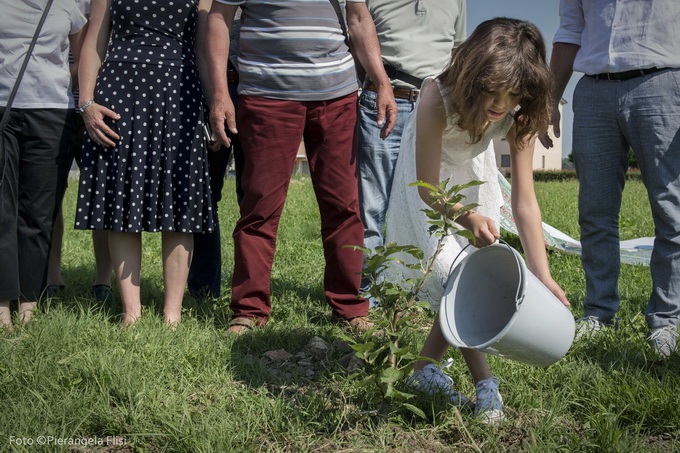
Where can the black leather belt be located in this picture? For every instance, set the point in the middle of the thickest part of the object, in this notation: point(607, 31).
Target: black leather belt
point(625, 75)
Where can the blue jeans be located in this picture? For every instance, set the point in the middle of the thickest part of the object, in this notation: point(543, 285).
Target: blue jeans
point(377, 160)
point(609, 118)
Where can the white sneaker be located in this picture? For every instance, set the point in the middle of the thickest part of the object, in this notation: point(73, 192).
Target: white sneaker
point(432, 381)
point(489, 404)
point(663, 341)
point(587, 326)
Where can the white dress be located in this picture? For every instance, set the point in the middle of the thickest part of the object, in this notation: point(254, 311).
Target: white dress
point(462, 163)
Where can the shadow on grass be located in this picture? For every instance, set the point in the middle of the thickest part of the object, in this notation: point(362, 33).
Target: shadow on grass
point(78, 292)
point(288, 298)
point(321, 388)
point(280, 362)
point(253, 368)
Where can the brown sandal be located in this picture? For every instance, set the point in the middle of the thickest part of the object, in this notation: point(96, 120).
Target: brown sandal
point(359, 324)
point(240, 325)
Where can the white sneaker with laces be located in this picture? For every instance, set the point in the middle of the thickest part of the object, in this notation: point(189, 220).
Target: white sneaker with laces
point(489, 404)
point(663, 341)
point(587, 327)
point(432, 381)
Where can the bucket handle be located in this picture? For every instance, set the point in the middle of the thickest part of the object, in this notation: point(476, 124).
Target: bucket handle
point(520, 265)
point(518, 297)
point(456, 259)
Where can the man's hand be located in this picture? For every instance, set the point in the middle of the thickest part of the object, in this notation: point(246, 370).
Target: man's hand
point(545, 139)
point(223, 118)
point(387, 111)
point(367, 50)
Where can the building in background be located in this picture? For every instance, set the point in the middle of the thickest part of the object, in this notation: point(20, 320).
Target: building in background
point(544, 159)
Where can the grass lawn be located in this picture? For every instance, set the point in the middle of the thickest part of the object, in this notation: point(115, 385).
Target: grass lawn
point(74, 376)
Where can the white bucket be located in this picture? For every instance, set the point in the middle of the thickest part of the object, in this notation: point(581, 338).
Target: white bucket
point(494, 304)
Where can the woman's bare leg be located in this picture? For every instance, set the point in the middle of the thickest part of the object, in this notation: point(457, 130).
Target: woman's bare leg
point(102, 258)
point(177, 253)
point(5, 315)
point(126, 257)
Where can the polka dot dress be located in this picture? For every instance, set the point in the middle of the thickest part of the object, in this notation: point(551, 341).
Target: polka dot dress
point(156, 177)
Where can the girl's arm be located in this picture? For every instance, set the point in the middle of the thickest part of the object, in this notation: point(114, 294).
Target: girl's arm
point(92, 54)
point(527, 213)
point(430, 125)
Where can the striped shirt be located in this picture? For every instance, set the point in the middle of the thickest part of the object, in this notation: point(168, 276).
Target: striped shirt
point(293, 50)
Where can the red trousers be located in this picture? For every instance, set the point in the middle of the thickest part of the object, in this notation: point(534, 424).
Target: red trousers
point(270, 132)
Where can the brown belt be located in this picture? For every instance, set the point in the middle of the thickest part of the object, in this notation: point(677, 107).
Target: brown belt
point(232, 76)
point(402, 93)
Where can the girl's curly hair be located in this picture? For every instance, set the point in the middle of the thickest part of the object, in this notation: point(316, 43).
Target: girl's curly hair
point(501, 53)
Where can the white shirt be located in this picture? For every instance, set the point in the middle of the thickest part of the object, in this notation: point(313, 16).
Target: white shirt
point(621, 35)
point(85, 6)
point(47, 80)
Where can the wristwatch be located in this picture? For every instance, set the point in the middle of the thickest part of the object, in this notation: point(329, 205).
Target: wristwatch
point(82, 108)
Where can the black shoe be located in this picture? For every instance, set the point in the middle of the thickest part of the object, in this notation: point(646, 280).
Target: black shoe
point(52, 290)
point(103, 294)
point(203, 294)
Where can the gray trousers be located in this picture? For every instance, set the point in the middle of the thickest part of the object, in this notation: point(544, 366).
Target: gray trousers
point(642, 113)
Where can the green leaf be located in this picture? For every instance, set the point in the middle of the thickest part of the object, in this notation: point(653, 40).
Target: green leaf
point(373, 356)
point(368, 381)
point(403, 396)
point(408, 356)
point(419, 412)
point(358, 247)
point(398, 351)
point(467, 234)
point(405, 320)
point(428, 186)
point(464, 209)
point(363, 348)
point(470, 184)
point(390, 375)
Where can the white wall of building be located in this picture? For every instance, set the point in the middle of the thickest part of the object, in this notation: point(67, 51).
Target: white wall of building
point(544, 159)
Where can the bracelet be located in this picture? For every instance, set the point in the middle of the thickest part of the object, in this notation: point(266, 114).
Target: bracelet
point(82, 108)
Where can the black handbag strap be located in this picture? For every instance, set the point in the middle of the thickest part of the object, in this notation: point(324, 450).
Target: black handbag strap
point(394, 73)
point(15, 88)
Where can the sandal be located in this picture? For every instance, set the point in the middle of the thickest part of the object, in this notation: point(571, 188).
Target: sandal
point(358, 324)
point(240, 325)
